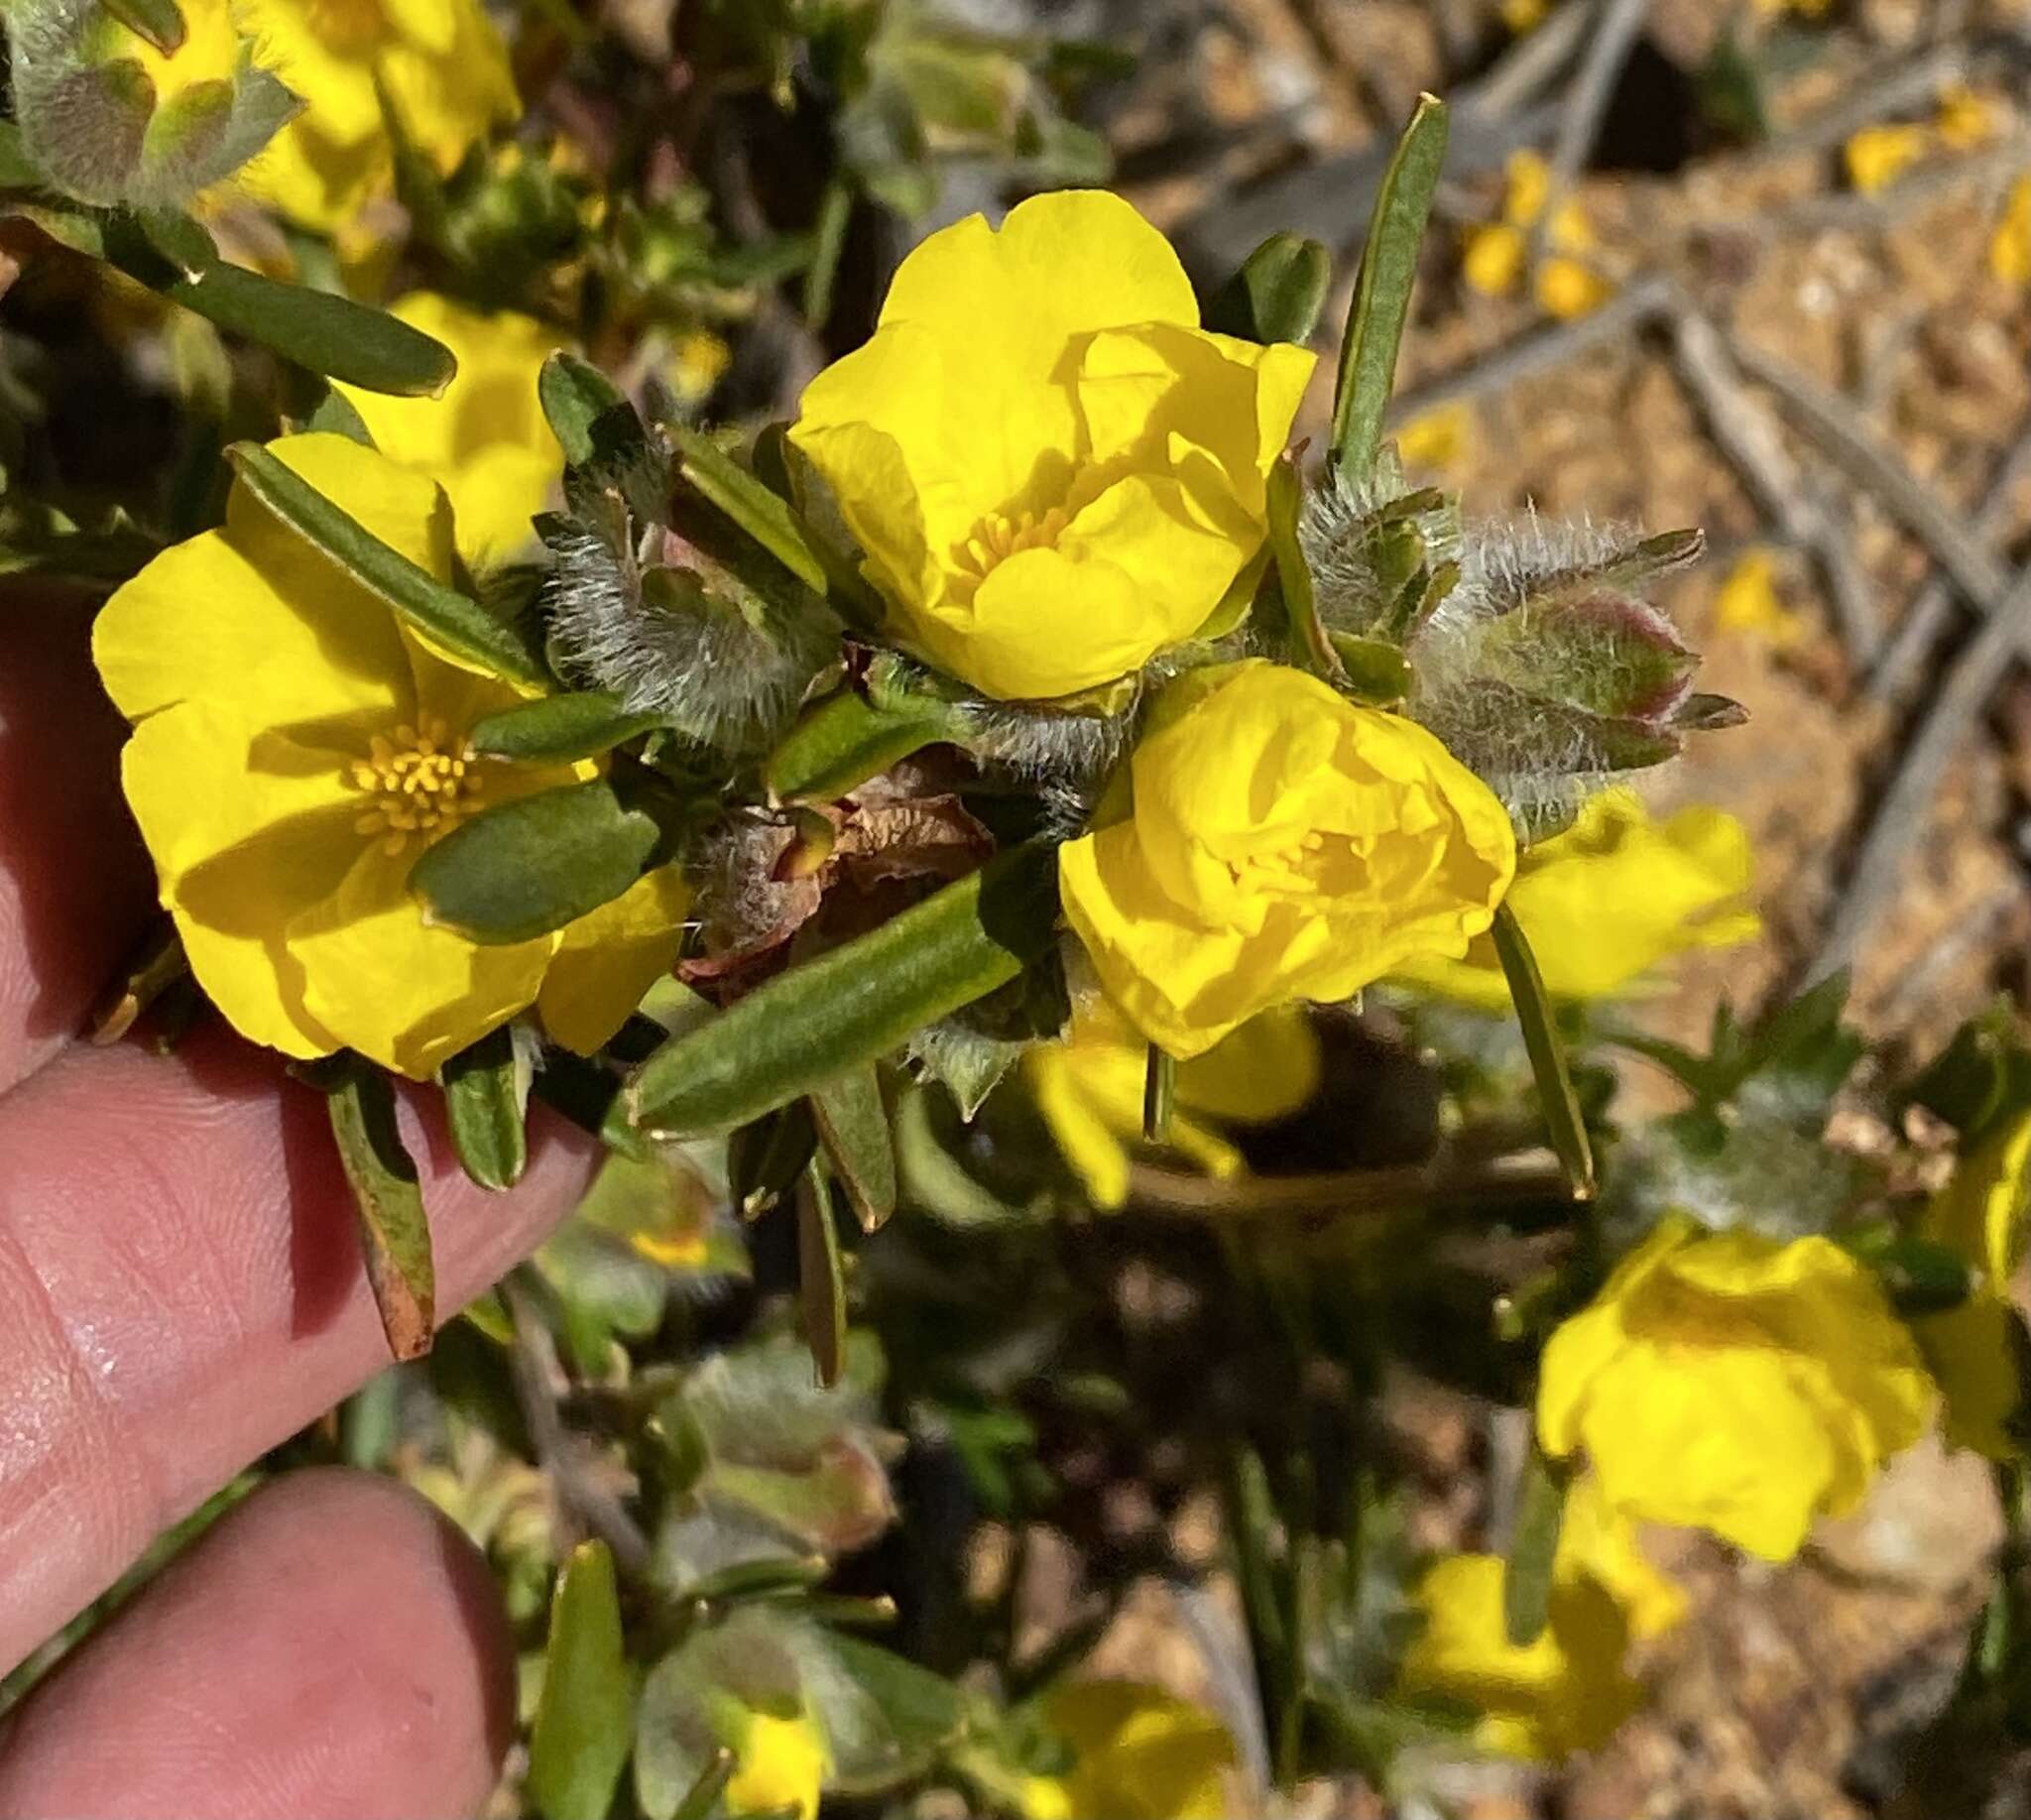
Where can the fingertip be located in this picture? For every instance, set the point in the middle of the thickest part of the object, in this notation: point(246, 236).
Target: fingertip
point(333, 1645)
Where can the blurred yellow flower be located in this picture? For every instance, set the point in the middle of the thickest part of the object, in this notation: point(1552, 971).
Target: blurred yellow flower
point(1566, 1691)
point(782, 1765)
point(1279, 843)
point(2009, 250)
point(1877, 156)
point(1972, 1349)
point(1604, 903)
point(295, 748)
point(1736, 1383)
point(1054, 472)
point(1521, 16)
point(697, 364)
point(1438, 440)
point(1749, 602)
point(442, 63)
point(209, 52)
point(1138, 1753)
point(1965, 119)
point(484, 442)
point(1495, 257)
point(1089, 1088)
point(1567, 289)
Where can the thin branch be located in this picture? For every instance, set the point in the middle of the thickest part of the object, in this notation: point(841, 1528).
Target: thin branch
point(1607, 52)
point(1902, 809)
point(1803, 513)
point(538, 1378)
point(1925, 621)
point(1541, 350)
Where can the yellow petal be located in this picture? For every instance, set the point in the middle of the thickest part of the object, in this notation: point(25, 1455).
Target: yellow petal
point(1089, 1141)
point(249, 829)
point(605, 961)
point(1139, 1753)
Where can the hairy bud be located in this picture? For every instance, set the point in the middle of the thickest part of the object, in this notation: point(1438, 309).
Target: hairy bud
point(109, 117)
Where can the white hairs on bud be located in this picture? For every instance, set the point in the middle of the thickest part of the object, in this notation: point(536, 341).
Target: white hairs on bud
point(719, 680)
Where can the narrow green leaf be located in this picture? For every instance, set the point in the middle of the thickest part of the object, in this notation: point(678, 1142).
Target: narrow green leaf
point(526, 866)
point(559, 728)
point(773, 524)
point(1381, 296)
point(1377, 670)
point(855, 1004)
point(765, 1159)
point(154, 967)
point(483, 1103)
point(1527, 1574)
point(574, 394)
point(446, 616)
point(821, 1277)
point(1277, 294)
point(841, 742)
point(16, 168)
point(160, 22)
point(585, 1719)
point(1547, 1054)
point(1159, 1093)
point(1310, 647)
point(317, 329)
point(393, 1230)
point(181, 239)
point(829, 241)
point(854, 1125)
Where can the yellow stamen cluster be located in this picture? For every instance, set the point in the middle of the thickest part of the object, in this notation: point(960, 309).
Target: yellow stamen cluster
point(422, 782)
point(998, 537)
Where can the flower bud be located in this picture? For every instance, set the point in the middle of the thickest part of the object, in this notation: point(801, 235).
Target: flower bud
point(110, 117)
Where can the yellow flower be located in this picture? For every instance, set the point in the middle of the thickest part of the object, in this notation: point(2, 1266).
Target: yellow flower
point(1438, 440)
point(484, 442)
point(1280, 844)
point(1972, 1349)
point(1089, 1089)
point(1521, 16)
point(1567, 1690)
point(697, 364)
point(1567, 289)
point(441, 63)
point(1749, 601)
point(1138, 1753)
point(1877, 156)
point(1965, 119)
point(1054, 472)
point(2009, 251)
point(1606, 902)
point(781, 1767)
point(1495, 257)
point(1736, 1383)
point(295, 750)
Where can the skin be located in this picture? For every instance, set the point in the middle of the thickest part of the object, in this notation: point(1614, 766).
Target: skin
point(180, 1289)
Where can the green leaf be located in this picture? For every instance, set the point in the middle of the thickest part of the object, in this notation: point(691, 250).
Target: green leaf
point(160, 22)
point(773, 524)
point(841, 742)
point(1920, 1275)
point(1277, 294)
point(1310, 647)
point(393, 1230)
point(1378, 672)
point(829, 241)
point(853, 1122)
point(337, 415)
point(893, 1716)
point(765, 1159)
point(585, 1719)
point(821, 1277)
point(442, 614)
point(559, 729)
point(523, 868)
point(1381, 296)
point(483, 1103)
point(1527, 1574)
point(702, 1799)
point(16, 168)
point(317, 329)
point(575, 395)
point(855, 1004)
point(1547, 1054)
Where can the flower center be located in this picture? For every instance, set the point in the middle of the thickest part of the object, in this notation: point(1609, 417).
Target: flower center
point(998, 537)
point(1291, 866)
point(420, 782)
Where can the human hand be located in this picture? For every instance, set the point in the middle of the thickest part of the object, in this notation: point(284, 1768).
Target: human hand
point(180, 1289)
